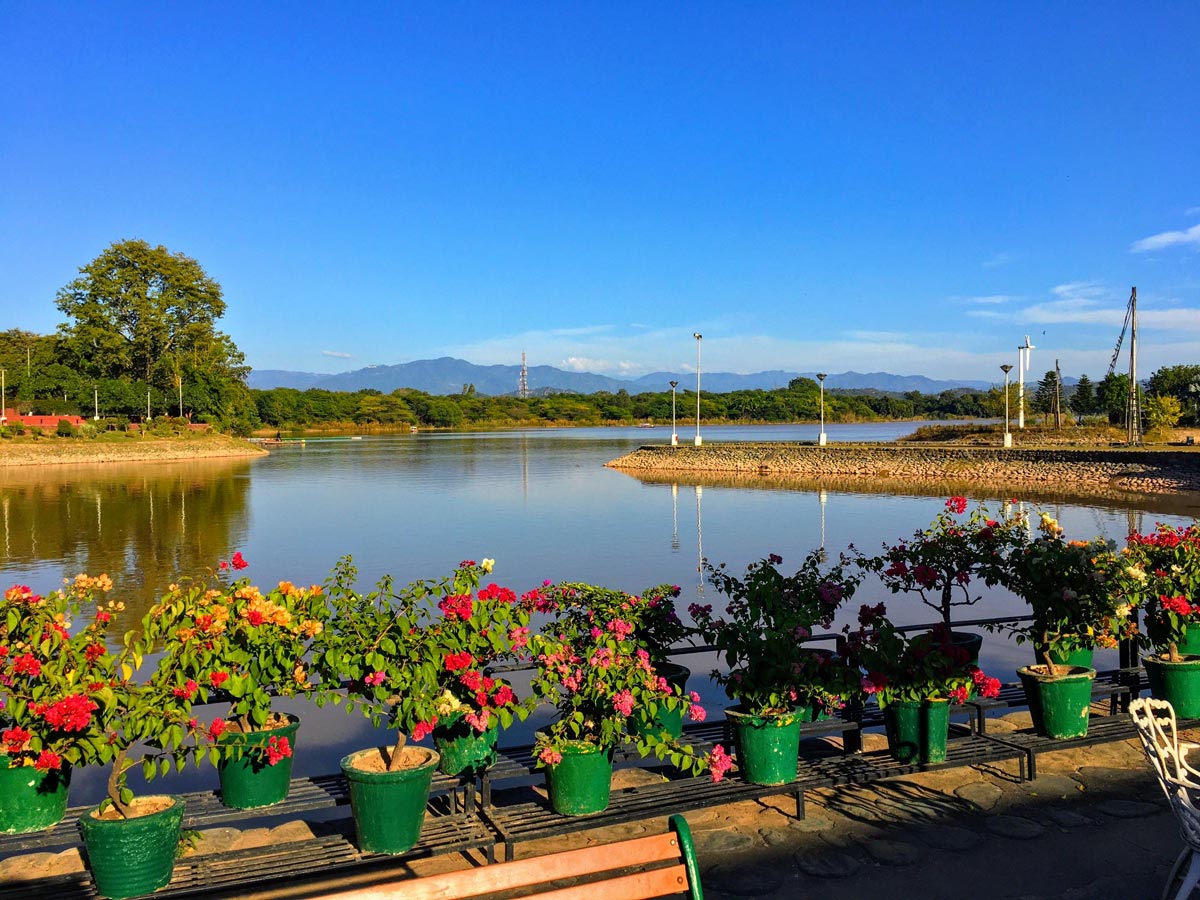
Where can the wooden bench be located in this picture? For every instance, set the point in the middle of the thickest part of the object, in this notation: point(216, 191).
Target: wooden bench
point(662, 865)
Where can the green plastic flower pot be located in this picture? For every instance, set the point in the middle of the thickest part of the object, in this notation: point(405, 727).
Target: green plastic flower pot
point(665, 723)
point(970, 642)
point(130, 857)
point(767, 746)
point(31, 799)
point(463, 749)
point(248, 780)
point(1058, 704)
point(1190, 645)
point(389, 807)
point(579, 785)
point(917, 730)
point(1176, 682)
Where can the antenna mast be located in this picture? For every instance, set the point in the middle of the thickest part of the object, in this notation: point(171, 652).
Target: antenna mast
point(523, 382)
point(1133, 413)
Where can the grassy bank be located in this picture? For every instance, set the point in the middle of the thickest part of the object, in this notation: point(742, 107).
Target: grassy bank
point(120, 447)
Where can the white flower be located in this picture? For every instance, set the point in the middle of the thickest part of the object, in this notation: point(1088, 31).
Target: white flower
point(448, 704)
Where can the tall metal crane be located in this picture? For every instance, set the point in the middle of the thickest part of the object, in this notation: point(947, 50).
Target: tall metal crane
point(1133, 409)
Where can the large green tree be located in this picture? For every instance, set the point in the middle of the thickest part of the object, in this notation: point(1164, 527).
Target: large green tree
point(144, 315)
point(1182, 383)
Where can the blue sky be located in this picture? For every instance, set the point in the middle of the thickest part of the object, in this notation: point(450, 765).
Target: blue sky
point(909, 187)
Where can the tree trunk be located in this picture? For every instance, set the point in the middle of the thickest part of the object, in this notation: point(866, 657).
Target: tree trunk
point(393, 764)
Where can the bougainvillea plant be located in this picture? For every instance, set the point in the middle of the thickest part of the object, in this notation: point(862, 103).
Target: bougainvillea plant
point(1163, 573)
point(1076, 590)
point(944, 564)
point(597, 676)
point(236, 643)
point(761, 636)
point(656, 626)
point(900, 666)
point(55, 670)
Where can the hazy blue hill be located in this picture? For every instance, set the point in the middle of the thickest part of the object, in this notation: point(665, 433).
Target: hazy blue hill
point(447, 375)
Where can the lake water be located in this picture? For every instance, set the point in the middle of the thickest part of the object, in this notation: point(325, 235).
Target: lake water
point(539, 502)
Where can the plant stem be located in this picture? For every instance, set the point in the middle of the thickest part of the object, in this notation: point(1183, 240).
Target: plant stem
point(394, 762)
point(119, 766)
point(1173, 654)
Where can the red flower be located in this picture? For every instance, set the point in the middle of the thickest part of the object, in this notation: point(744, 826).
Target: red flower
point(254, 617)
point(15, 738)
point(457, 661)
point(423, 728)
point(216, 679)
point(957, 505)
point(238, 562)
point(27, 664)
point(504, 696)
point(94, 652)
point(278, 749)
point(188, 691)
point(71, 713)
point(456, 607)
point(48, 760)
point(217, 728)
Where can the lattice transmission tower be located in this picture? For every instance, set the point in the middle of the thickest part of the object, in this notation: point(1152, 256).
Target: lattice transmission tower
point(523, 381)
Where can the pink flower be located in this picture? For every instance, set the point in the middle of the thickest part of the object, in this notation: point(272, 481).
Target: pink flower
point(873, 682)
point(719, 763)
point(959, 694)
point(774, 559)
point(421, 729)
point(926, 576)
point(374, 679)
point(696, 713)
point(479, 722)
point(623, 702)
point(550, 757)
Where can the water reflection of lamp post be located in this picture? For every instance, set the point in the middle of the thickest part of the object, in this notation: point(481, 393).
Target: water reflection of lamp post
point(674, 516)
point(674, 436)
point(821, 437)
point(823, 497)
point(698, 336)
point(1006, 368)
point(699, 541)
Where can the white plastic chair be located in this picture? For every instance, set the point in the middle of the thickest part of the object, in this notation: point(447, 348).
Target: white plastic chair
point(1155, 721)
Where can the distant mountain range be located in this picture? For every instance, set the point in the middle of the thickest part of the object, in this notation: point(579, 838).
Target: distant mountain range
point(448, 375)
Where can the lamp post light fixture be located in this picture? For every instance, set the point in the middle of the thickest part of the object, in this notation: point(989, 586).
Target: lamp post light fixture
point(821, 376)
point(674, 435)
point(698, 336)
point(1022, 368)
point(1006, 368)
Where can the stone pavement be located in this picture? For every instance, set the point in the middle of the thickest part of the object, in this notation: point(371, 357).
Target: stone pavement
point(1093, 826)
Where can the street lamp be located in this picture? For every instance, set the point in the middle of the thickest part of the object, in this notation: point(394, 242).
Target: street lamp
point(674, 436)
point(821, 438)
point(1006, 368)
point(96, 402)
point(1022, 368)
point(698, 336)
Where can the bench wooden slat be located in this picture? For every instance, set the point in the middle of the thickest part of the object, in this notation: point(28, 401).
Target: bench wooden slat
point(638, 886)
point(524, 872)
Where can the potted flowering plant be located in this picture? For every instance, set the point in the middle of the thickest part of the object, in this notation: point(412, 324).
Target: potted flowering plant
point(54, 663)
point(249, 648)
point(914, 679)
point(413, 656)
point(777, 681)
point(657, 629)
point(1163, 573)
point(471, 630)
point(1076, 591)
point(944, 563)
point(598, 677)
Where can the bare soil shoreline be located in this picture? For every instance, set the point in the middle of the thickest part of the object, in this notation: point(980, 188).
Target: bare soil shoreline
point(71, 451)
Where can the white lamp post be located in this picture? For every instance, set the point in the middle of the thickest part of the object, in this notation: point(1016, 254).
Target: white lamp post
point(821, 438)
point(674, 436)
point(1022, 368)
point(1006, 368)
point(3, 402)
point(698, 336)
point(96, 402)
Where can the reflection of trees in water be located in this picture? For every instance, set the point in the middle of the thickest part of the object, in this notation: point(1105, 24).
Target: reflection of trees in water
point(146, 526)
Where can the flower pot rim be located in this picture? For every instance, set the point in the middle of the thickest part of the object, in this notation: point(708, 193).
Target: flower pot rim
point(1158, 658)
point(740, 712)
point(91, 813)
point(432, 757)
point(1074, 673)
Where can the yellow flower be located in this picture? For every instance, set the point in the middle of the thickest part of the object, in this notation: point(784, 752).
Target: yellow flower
point(487, 565)
point(310, 628)
point(448, 704)
point(299, 676)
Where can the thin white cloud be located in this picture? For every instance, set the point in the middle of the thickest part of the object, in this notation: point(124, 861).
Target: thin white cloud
point(1079, 290)
point(985, 314)
point(878, 336)
point(1189, 238)
point(989, 300)
point(337, 354)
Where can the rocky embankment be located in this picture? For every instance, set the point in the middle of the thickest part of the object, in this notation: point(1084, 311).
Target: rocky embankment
point(71, 451)
point(1127, 469)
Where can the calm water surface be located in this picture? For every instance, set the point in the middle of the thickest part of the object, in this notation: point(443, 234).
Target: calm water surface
point(540, 502)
